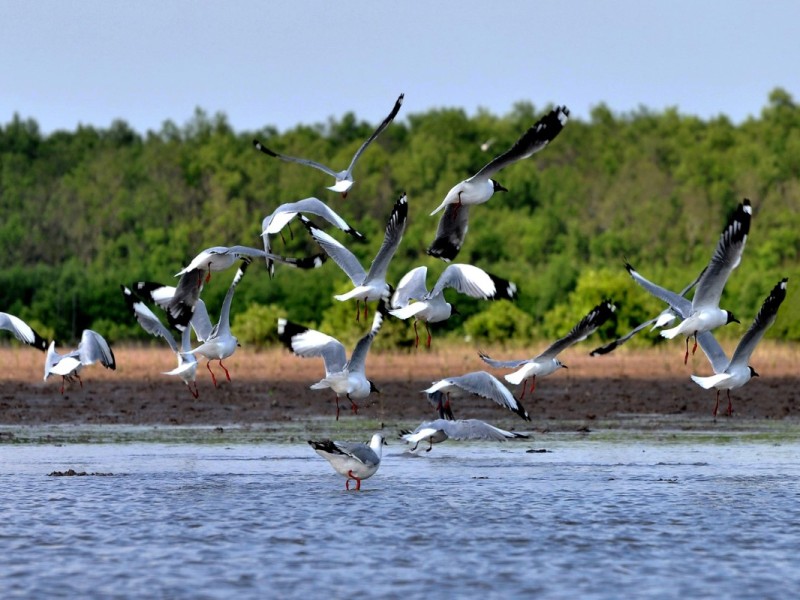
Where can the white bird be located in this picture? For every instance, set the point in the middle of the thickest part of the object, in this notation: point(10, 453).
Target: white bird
point(705, 313)
point(163, 296)
point(283, 215)
point(221, 343)
point(412, 298)
point(345, 377)
point(734, 373)
point(181, 306)
point(187, 362)
point(464, 429)
point(344, 179)
point(479, 383)
point(546, 363)
point(354, 460)
point(91, 349)
point(665, 317)
point(22, 331)
point(481, 187)
point(369, 285)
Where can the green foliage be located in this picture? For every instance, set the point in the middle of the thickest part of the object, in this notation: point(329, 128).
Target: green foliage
point(257, 325)
point(86, 210)
point(501, 322)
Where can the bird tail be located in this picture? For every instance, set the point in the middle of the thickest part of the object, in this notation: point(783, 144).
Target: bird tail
point(671, 333)
point(710, 381)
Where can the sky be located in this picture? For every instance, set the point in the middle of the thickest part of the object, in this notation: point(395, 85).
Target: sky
point(285, 63)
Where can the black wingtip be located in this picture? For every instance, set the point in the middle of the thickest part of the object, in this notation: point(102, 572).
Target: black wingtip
point(443, 249)
point(287, 330)
point(259, 146)
point(504, 289)
point(604, 349)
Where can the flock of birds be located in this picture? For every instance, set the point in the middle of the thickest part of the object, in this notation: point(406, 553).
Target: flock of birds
point(186, 312)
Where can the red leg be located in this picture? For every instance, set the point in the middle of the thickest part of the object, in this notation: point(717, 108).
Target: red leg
point(533, 384)
point(694, 348)
point(337, 407)
point(63, 382)
point(357, 480)
point(416, 335)
point(716, 405)
point(347, 482)
point(428, 344)
point(78, 377)
point(228, 375)
point(208, 275)
point(366, 311)
point(358, 310)
point(686, 356)
point(524, 385)
point(730, 405)
point(193, 389)
point(213, 377)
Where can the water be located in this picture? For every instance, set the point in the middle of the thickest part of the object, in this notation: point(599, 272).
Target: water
point(607, 518)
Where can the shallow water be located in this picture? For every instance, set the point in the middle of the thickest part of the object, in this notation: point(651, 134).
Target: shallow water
point(591, 519)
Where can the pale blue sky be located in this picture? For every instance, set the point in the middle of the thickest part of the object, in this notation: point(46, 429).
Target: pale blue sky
point(283, 63)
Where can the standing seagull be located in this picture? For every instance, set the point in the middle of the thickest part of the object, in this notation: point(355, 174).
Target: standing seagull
point(282, 215)
point(221, 343)
point(369, 285)
point(354, 460)
point(481, 187)
point(187, 363)
point(464, 429)
point(431, 307)
point(344, 179)
point(479, 383)
point(705, 313)
point(734, 373)
point(92, 348)
point(344, 377)
point(546, 362)
point(22, 331)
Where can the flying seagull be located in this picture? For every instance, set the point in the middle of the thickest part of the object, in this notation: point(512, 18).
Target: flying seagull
point(705, 313)
point(464, 429)
point(412, 298)
point(22, 331)
point(344, 179)
point(546, 362)
point(734, 373)
point(283, 215)
point(187, 363)
point(344, 377)
point(478, 383)
point(354, 460)
point(481, 187)
point(369, 285)
point(91, 349)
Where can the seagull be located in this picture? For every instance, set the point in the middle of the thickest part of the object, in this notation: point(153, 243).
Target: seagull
point(22, 331)
point(479, 383)
point(369, 285)
point(481, 187)
point(705, 313)
point(354, 460)
point(431, 307)
point(464, 429)
point(187, 362)
point(283, 215)
point(344, 377)
point(344, 179)
point(181, 306)
point(92, 348)
point(665, 317)
point(546, 362)
point(163, 296)
point(734, 373)
point(221, 343)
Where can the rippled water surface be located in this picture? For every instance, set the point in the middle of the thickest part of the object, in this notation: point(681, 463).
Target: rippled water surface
point(604, 519)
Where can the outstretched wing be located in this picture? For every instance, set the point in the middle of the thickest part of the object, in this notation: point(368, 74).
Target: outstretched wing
point(586, 327)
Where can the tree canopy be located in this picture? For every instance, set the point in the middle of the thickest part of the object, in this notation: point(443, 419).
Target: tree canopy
point(86, 210)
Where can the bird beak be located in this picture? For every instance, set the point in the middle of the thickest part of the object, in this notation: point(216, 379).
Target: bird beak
point(500, 188)
point(755, 374)
point(564, 367)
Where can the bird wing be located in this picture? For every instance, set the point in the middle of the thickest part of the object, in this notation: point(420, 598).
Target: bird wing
point(389, 118)
point(147, 319)
point(713, 351)
point(727, 256)
point(679, 304)
point(94, 348)
point(450, 233)
point(473, 429)
point(395, 228)
point(485, 385)
point(223, 326)
point(585, 327)
point(474, 282)
point(295, 159)
point(307, 342)
point(764, 319)
point(361, 452)
point(537, 137)
point(359, 357)
point(22, 331)
point(503, 364)
point(346, 260)
point(411, 287)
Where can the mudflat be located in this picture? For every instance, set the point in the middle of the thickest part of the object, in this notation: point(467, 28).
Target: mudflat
point(273, 386)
